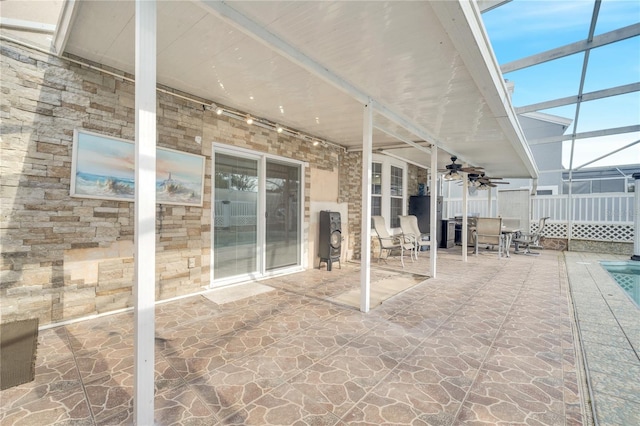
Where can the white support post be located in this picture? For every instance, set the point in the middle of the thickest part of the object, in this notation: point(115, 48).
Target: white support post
point(465, 212)
point(636, 218)
point(144, 289)
point(489, 209)
point(434, 208)
point(365, 232)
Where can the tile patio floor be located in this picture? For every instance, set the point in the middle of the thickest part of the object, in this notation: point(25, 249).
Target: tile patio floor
point(490, 341)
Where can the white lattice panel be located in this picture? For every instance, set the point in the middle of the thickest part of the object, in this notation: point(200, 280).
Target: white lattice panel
point(588, 231)
point(552, 229)
point(602, 232)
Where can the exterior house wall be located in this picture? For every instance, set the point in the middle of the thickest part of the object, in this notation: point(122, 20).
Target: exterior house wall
point(66, 258)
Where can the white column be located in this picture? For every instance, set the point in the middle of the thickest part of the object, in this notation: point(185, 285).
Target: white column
point(489, 210)
point(465, 212)
point(433, 219)
point(636, 218)
point(365, 231)
point(144, 289)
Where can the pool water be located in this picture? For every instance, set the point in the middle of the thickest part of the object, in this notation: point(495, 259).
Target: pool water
point(627, 275)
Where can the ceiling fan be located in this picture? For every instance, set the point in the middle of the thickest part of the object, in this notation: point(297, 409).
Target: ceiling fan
point(452, 171)
point(481, 181)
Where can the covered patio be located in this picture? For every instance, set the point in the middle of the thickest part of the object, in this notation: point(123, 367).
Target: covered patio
point(489, 340)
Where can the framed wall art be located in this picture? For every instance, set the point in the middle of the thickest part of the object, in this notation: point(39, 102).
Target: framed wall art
point(103, 168)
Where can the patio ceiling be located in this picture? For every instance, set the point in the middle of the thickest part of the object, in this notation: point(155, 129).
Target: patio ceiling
point(311, 65)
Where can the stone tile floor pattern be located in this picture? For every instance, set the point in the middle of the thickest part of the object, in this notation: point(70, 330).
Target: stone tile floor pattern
point(489, 341)
point(609, 325)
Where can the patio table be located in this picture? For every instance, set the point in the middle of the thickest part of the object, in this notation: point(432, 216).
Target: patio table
point(508, 237)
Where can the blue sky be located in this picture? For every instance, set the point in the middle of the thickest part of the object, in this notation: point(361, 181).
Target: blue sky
point(526, 27)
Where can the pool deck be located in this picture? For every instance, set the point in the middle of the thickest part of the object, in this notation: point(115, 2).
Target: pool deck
point(489, 341)
point(609, 326)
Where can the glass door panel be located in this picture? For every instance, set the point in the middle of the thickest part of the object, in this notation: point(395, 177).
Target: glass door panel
point(282, 237)
point(235, 216)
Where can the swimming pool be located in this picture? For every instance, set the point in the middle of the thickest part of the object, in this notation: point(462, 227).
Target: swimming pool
point(627, 275)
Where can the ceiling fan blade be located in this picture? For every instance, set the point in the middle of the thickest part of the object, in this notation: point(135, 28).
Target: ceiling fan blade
point(470, 169)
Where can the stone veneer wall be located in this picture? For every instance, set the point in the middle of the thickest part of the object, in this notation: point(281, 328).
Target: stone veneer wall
point(608, 247)
point(64, 257)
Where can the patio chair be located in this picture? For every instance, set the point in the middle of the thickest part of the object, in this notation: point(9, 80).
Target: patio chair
point(410, 229)
point(530, 239)
point(488, 232)
point(390, 242)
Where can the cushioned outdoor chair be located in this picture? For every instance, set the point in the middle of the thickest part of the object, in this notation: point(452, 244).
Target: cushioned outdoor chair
point(411, 231)
point(488, 232)
point(389, 242)
point(527, 240)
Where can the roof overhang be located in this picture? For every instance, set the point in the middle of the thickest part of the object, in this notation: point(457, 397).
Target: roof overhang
point(426, 67)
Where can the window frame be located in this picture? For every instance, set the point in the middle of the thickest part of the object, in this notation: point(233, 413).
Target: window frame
point(387, 163)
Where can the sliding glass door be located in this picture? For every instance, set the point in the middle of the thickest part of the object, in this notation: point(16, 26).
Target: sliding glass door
point(282, 216)
point(235, 236)
point(256, 215)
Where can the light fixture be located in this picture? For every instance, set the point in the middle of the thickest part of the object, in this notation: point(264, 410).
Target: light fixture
point(473, 180)
point(316, 142)
point(249, 120)
point(279, 128)
point(452, 175)
point(219, 110)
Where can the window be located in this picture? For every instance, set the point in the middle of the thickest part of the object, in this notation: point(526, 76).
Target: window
point(396, 193)
point(388, 189)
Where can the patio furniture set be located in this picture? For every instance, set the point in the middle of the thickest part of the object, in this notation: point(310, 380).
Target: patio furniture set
point(492, 232)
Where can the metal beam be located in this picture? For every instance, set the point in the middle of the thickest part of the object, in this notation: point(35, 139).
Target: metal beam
point(433, 257)
point(591, 96)
point(144, 288)
point(569, 49)
point(365, 226)
point(402, 139)
point(585, 65)
point(586, 135)
point(487, 5)
point(254, 30)
point(28, 26)
point(606, 155)
point(63, 28)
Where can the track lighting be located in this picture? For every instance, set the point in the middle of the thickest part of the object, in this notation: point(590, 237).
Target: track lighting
point(267, 124)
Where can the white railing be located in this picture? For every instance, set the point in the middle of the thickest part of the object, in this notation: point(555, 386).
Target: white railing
point(452, 207)
point(597, 217)
point(599, 208)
